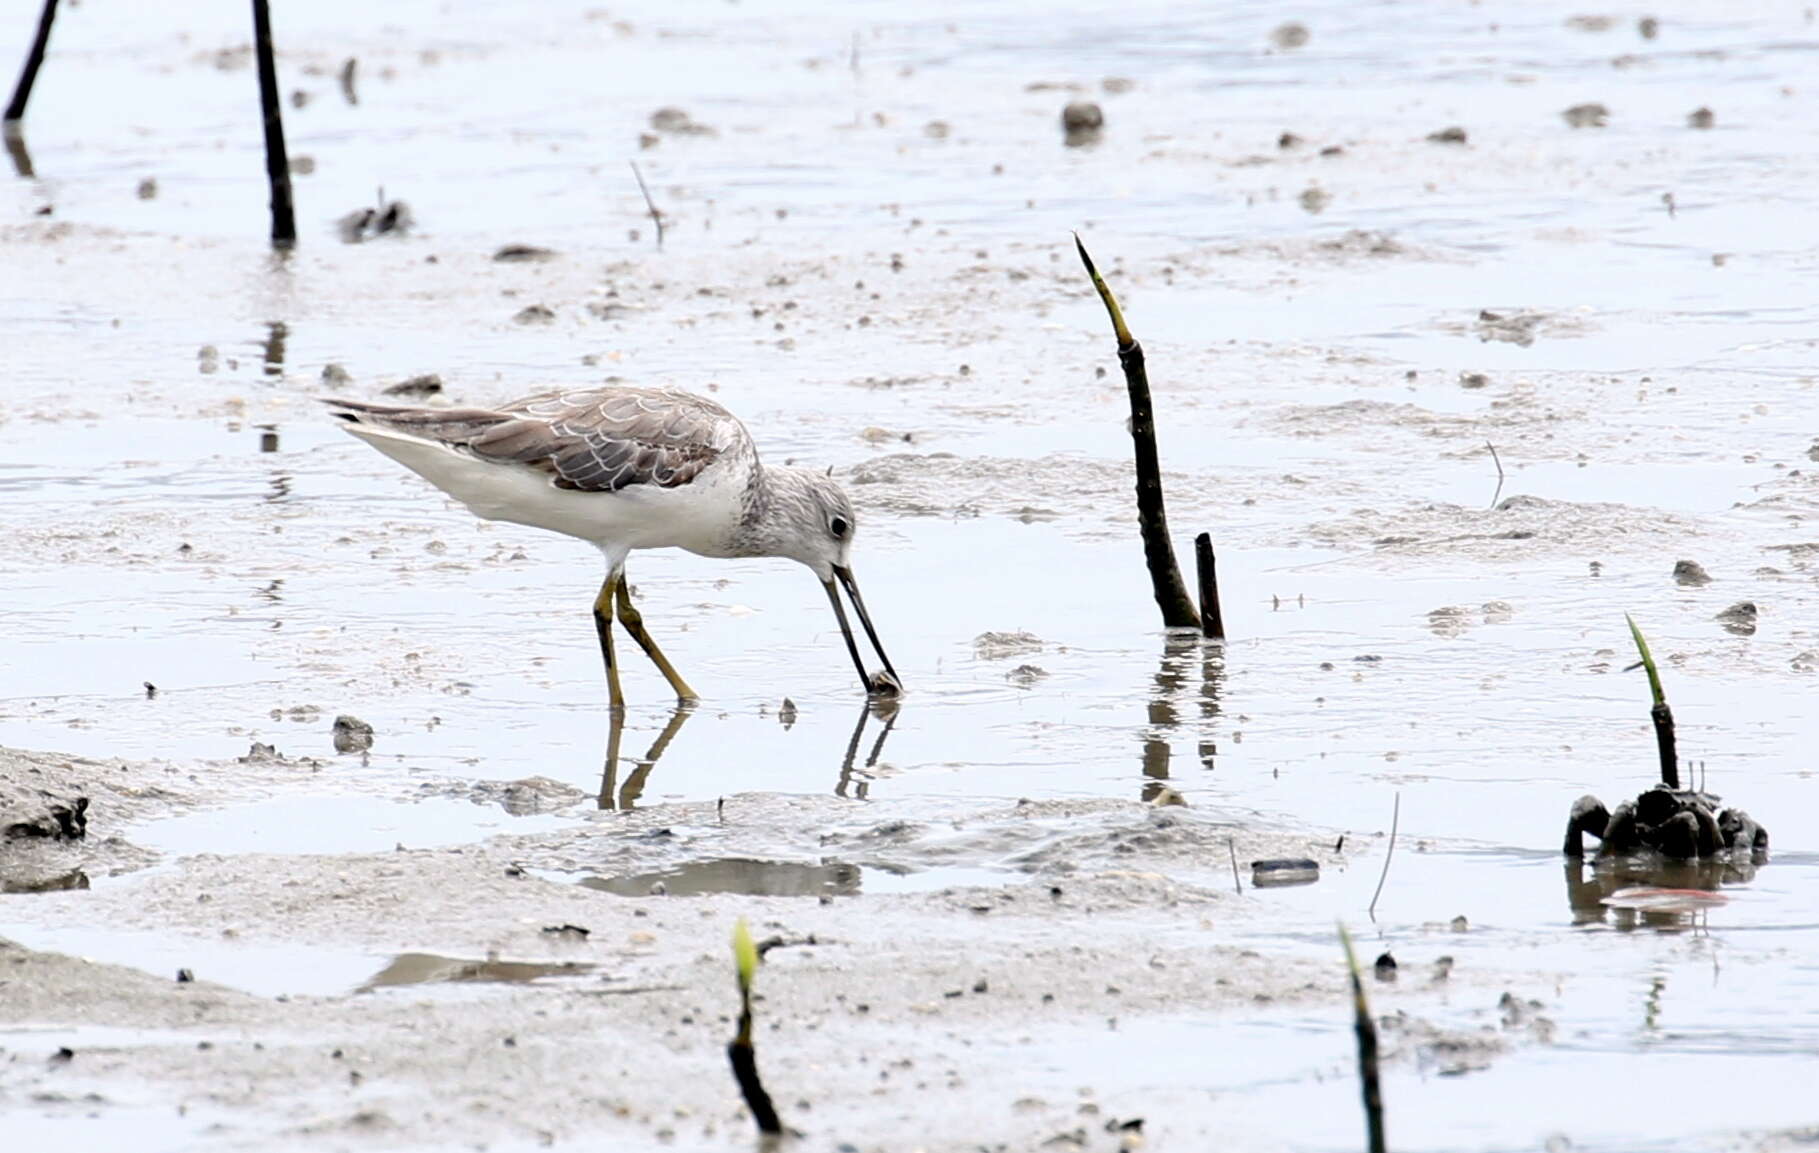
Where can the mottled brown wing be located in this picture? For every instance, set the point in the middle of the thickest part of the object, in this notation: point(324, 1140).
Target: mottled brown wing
point(603, 440)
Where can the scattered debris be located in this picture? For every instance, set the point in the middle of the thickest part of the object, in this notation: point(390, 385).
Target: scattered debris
point(1739, 619)
point(1700, 118)
point(1691, 573)
point(1026, 676)
point(535, 314)
point(1081, 122)
point(1278, 872)
point(523, 254)
point(1290, 35)
point(424, 384)
point(1450, 135)
point(148, 188)
point(1587, 115)
point(352, 735)
point(997, 646)
point(676, 122)
point(334, 376)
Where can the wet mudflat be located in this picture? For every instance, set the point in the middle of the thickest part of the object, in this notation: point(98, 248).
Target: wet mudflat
point(866, 255)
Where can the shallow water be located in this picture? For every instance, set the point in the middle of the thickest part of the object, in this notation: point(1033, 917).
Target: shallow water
point(1664, 409)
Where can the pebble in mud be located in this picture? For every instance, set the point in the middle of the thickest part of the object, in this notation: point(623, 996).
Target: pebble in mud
point(1586, 115)
point(335, 376)
point(1739, 619)
point(1314, 199)
point(208, 359)
point(426, 384)
point(523, 254)
point(994, 646)
point(352, 735)
point(1449, 135)
point(1700, 118)
point(1081, 122)
point(676, 122)
point(148, 189)
point(1290, 35)
point(1691, 573)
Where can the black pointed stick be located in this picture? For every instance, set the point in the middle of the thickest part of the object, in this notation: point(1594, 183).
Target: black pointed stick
point(277, 163)
point(1165, 575)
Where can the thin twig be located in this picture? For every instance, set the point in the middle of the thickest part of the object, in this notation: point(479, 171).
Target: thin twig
point(1395, 820)
point(656, 216)
point(1231, 847)
point(1499, 463)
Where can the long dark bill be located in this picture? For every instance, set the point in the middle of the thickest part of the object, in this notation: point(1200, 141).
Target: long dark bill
point(865, 619)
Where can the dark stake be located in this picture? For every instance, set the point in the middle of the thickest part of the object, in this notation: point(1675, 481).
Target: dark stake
point(1152, 521)
point(1368, 1072)
point(739, 1050)
point(277, 163)
point(1660, 713)
point(34, 59)
point(1212, 621)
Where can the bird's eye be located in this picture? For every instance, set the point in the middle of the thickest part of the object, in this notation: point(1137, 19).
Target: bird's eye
point(838, 527)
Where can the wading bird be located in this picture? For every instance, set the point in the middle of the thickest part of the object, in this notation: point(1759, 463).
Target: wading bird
point(628, 468)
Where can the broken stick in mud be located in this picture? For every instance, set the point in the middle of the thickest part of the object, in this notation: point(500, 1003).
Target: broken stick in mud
point(277, 161)
point(1212, 621)
point(1165, 575)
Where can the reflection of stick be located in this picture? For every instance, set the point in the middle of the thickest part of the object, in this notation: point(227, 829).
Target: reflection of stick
point(1152, 521)
point(1499, 463)
point(277, 163)
point(1367, 1050)
point(1212, 621)
point(1660, 713)
point(739, 1050)
point(1395, 820)
point(34, 59)
point(656, 217)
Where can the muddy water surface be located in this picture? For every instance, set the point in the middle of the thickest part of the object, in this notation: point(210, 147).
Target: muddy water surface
point(868, 258)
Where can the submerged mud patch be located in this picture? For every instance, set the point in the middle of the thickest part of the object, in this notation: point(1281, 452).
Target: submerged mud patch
point(1519, 526)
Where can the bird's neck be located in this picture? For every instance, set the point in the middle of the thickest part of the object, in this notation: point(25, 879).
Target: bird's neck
point(764, 522)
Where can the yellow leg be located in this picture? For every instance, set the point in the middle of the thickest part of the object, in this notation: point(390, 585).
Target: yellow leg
point(634, 624)
point(603, 625)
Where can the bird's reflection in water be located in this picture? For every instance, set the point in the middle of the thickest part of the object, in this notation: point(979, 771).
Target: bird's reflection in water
point(1588, 883)
point(627, 794)
point(857, 783)
point(855, 778)
point(1180, 652)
